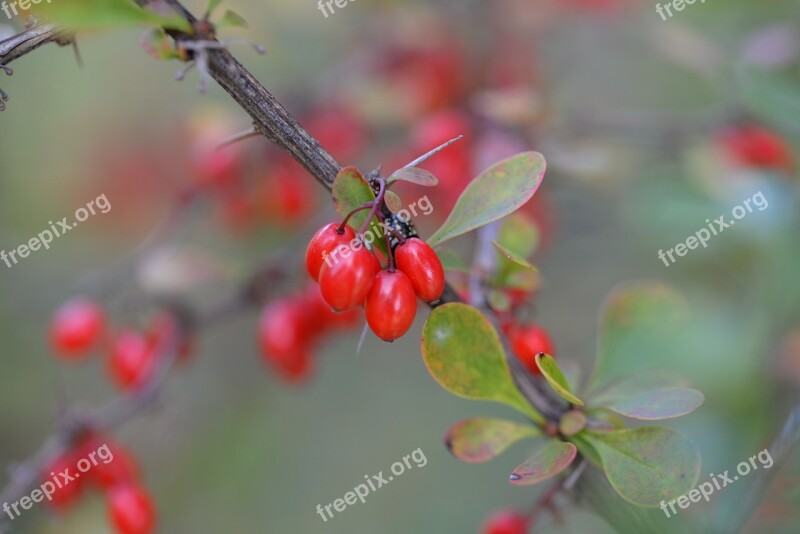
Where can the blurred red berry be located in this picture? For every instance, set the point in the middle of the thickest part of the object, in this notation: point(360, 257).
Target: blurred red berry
point(64, 493)
point(757, 146)
point(339, 131)
point(287, 194)
point(527, 341)
point(506, 522)
point(77, 328)
point(115, 462)
point(131, 509)
point(132, 360)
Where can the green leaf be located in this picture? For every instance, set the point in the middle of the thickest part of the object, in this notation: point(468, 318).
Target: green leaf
point(636, 384)
point(658, 404)
point(452, 261)
point(513, 258)
point(498, 300)
point(647, 465)
point(547, 364)
point(549, 458)
point(634, 317)
point(212, 6)
point(571, 423)
point(481, 439)
point(350, 191)
point(519, 235)
point(414, 175)
point(231, 19)
point(464, 355)
point(770, 95)
point(97, 14)
point(156, 43)
point(587, 450)
point(498, 192)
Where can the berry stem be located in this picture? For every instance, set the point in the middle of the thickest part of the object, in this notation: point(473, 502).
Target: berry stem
point(342, 226)
point(376, 204)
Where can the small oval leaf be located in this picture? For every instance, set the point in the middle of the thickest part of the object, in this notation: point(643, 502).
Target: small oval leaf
point(393, 201)
point(481, 439)
point(497, 192)
point(550, 457)
point(647, 465)
point(658, 404)
point(636, 384)
point(464, 355)
point(414, 175)
point(549, 368)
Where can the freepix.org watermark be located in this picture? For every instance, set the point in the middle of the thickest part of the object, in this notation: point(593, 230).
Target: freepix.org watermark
point(678, 5)
point(706, 489)
point(701, 237)
point(373, 482)
point(343, 251)
point(11, 7)
point(46, 236)
point(59, 481)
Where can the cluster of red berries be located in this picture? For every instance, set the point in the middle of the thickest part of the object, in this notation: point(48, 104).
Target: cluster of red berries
point(354, 276)
point(528, 340)
point(80, 327)
point(291, 327)
point(129, 504)
point(506, 521)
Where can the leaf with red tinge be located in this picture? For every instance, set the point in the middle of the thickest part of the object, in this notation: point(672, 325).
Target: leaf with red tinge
point(497, 192)
point(481, 439)
point(658, 404)
point(550, 457)
point(414, 175)
point(647, 465)
point(464, 355)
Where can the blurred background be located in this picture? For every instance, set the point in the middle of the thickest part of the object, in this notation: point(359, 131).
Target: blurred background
point(649, 128)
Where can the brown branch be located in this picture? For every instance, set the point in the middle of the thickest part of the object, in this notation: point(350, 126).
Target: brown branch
point(29, 40)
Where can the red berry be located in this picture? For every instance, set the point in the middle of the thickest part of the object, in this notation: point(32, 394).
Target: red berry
point(281, 328)
point(506, 522)
point(76, 328)
point(391, 305)
point(758, 147)
point(420, 263)
point(346, 279)
point(285, 336)
point(323, 243)
point(132, 360)
point(115, 463)
point(527, 342)
point(131, 509)
point(64, 496)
